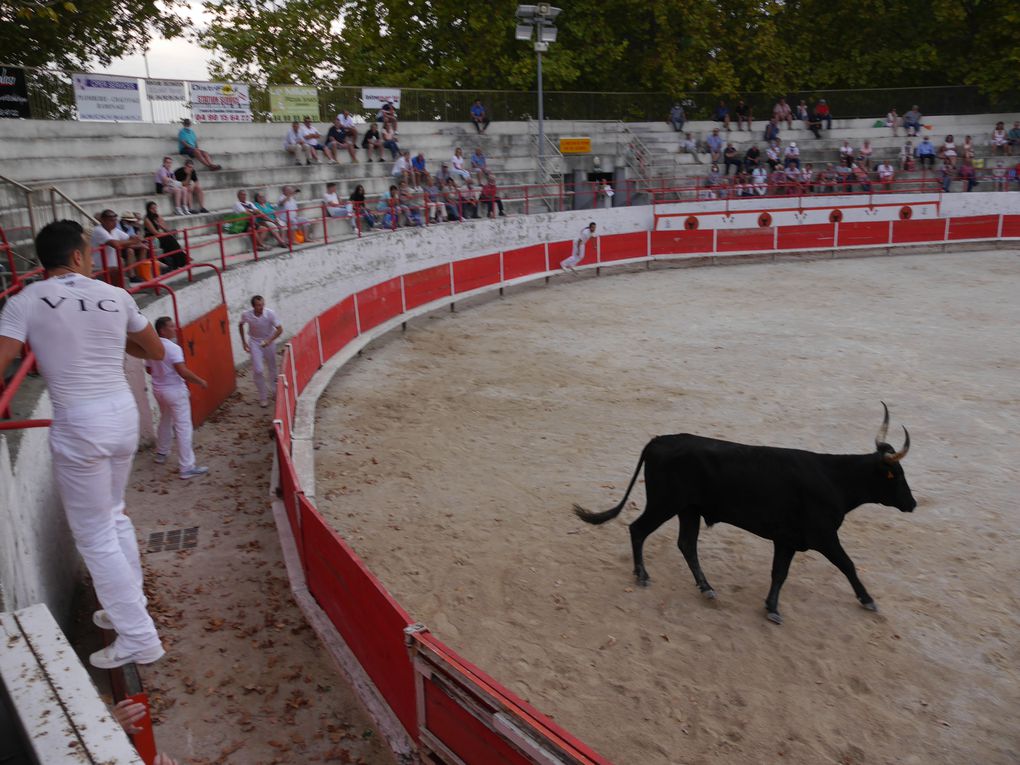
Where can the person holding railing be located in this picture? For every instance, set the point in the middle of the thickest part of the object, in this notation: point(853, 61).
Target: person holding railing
point(579, 249)
point(187, 145)
point(80, 329)
point(263, 329)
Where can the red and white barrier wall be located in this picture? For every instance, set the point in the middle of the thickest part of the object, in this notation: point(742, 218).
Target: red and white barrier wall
point(430, 698)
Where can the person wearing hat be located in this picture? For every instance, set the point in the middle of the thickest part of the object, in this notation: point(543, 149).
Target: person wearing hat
point(187, 145)
point(791, 156)
point(188, 178)
point(109, 239)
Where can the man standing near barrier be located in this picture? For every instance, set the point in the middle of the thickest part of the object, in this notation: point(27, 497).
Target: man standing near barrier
point(80, 328)
point(170, 378)
point(263, 329)
point(579, 248)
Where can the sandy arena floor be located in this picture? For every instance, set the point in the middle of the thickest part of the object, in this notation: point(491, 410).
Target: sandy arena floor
point(450, 457)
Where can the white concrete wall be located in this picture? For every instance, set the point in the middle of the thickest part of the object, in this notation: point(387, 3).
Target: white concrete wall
point(36, 563)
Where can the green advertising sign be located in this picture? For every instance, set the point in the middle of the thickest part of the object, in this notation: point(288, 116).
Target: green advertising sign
point(293, 102)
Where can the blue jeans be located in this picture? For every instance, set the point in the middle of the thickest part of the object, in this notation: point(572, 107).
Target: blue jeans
point(394, 149)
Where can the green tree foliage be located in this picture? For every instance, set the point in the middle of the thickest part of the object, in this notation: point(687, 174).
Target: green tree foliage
point(71, 35)
point(673, 46)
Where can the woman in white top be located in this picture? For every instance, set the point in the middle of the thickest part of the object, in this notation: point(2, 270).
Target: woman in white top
point(1000, 140)
point(968, 148)
point(947, 151)
point(288, 206)
point(846, 153)
point(892, 120)
point(865, 155)
point(457, 164)
point(907, 156)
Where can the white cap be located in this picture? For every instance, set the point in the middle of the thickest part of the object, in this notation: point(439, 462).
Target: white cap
point(793, 143)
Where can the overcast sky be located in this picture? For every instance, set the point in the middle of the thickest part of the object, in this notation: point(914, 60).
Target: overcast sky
point(178, 59)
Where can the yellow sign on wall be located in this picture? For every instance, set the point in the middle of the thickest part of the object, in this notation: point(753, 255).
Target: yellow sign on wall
point(575, 145)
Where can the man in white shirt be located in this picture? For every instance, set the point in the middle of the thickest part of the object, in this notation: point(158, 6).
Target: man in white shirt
point(293, 144)
point(347, 123)
point(402, 168)
point(313, 140)
point(334, 207)
point(263, 329)
point(80, 328)
point(886, 173)
point(264, 226)
point(170, 378)
point(579, 248)
point(105, 254)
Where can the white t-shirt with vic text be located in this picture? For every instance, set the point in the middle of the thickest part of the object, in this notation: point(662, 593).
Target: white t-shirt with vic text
point(77, 327)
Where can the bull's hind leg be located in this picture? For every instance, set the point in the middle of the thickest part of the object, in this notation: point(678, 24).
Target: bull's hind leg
point(655, 515)
point(690, 525)
point(781, 558)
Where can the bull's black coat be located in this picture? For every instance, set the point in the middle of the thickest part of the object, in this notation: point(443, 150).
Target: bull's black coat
point(795, 498)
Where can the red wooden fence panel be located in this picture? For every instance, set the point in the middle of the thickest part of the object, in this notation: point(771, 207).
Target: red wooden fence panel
point(741, 239)
point(288, 372)
point(681, 242)
point(290, 489)
point(919, 230)
point(427, 285)
point(370, 621)
point(863, 232)
point(379, 303)
point(305, 347)
point(337, 326)
point(523, 261)
point(974, 227)
point(808, 236)
point(477, 272)
point(560, 251)
point(1011, 225)
point(623, 246)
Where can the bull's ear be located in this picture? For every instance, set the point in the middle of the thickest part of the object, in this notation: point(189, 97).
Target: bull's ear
point(891, 458)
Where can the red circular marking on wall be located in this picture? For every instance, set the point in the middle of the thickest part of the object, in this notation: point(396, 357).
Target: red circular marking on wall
point(692, 223)
point(836, 216)
point(764, 220)
point(906, 212)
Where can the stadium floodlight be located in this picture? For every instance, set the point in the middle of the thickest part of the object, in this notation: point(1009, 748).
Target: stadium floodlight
point(538, 18)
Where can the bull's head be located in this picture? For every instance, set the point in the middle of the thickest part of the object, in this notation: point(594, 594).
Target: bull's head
point(895, 492)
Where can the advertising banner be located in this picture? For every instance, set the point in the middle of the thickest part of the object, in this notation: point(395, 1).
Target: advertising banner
point(575, 145)
point(107, 98)
point(220, 102)
point(13, 93)
point(374, 98)
point(293, 102)
point(165, 90)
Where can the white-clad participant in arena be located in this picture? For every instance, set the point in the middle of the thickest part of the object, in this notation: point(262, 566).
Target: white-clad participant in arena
point(79, 329)
point(170, 378)
point(263, 329)
point(579, 247)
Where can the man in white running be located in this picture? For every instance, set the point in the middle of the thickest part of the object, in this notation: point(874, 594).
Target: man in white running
point(579, 247)
point(263, 329)
point(170, 378)
point(80, 329)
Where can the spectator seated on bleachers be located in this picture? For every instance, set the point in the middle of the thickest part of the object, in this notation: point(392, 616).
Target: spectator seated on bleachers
point(401, 171)
point(1000, 141)
point(312, 139)
point(771, 130)
point(689, 146)
point(479, 117)
point(752, 158)
point(807, 178)
point(435, 210)
point(760, 178)
point(731, 157)
point(722, 115)
point(1013, 138)
point(167, 184)
point(967, 151)
point(677, 117)
point(451, 199)
point(418, 171)
point(337, 141)
point(187, 145)
point(823, 113)
point(714, 144)
point(389, 141)
point(864, 155)
point(293, 144)
point(861, 176)
point(468, 197)
point(744, 114)
point(781, 112)
point(907, 157)
point(1000, 176)
point(372, 142)
point(947, 151)
point(266, 208)
point(410, 207)
point(892, 120)
point(478, 164)
point(912, 121)
point(173, 257)
point(387, 115)
point(490, 198)
point(925, 153)
point(773, 155)
point(847, 153)
point(968, 175)
point(105, 254)
point(187, 176)
point(265, 226)
point(886, 174)
point(348, 124)
point(300, 228)
point(358, 206)
point(331, 201)
point(457, 164)
point(791, 155)
point(803, 113)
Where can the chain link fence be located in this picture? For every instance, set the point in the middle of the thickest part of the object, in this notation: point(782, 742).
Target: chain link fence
point(51, 97)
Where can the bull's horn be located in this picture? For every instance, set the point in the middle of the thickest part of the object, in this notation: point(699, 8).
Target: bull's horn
point(882, 431)
point(902, 452)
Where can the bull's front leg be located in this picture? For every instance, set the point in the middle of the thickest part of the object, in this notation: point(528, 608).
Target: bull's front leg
point(781, 559)
point(834, 551)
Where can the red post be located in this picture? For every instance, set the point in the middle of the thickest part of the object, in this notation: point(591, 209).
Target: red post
point(525, 200)
point(325, 224)
point(187, 255)
point(254, 237)
point(223, 252)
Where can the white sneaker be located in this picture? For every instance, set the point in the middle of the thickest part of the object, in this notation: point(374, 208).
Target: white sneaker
point(113, 656)
point(195, 472)
point(158, 458)
point(179, 211)
point(102, 620)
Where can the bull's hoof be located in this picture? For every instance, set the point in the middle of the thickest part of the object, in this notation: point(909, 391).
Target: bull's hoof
point(709, 593)
point(774, 617)
point(643, 582)
point(872, 606)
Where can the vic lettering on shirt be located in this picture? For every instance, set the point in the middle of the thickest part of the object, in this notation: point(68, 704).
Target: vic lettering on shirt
point(83, 305)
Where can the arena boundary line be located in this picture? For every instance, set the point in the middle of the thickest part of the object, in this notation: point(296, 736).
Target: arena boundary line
point(524, 733)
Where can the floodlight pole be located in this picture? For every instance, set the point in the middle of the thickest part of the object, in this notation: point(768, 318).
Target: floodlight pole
point(541, 108)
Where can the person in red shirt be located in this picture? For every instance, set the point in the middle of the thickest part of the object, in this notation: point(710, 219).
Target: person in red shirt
point(822, 113)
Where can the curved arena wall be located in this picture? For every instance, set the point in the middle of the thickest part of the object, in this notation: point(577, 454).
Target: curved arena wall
point(431, 697)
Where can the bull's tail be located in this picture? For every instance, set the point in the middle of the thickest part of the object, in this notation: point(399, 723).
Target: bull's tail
point(596, 518)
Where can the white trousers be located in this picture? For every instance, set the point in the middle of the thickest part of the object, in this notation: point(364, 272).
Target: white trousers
point(575, 258)
point(93, 446)
point(263, 362)
point(175, 420)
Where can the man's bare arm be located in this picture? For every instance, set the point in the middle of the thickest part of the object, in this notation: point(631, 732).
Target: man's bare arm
point(145, 344)
point(187, 374)
point(10, 349)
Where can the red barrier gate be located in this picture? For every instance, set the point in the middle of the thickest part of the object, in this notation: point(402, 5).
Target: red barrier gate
point(474, 273)
point(682, 242)
point(208, 353)
point(524, 261)
point(379, 303)
point(623, 246)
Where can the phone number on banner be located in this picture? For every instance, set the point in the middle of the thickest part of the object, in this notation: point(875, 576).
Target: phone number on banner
point(223, 118)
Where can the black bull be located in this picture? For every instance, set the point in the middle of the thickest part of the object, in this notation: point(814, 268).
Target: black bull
point(795, 498)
